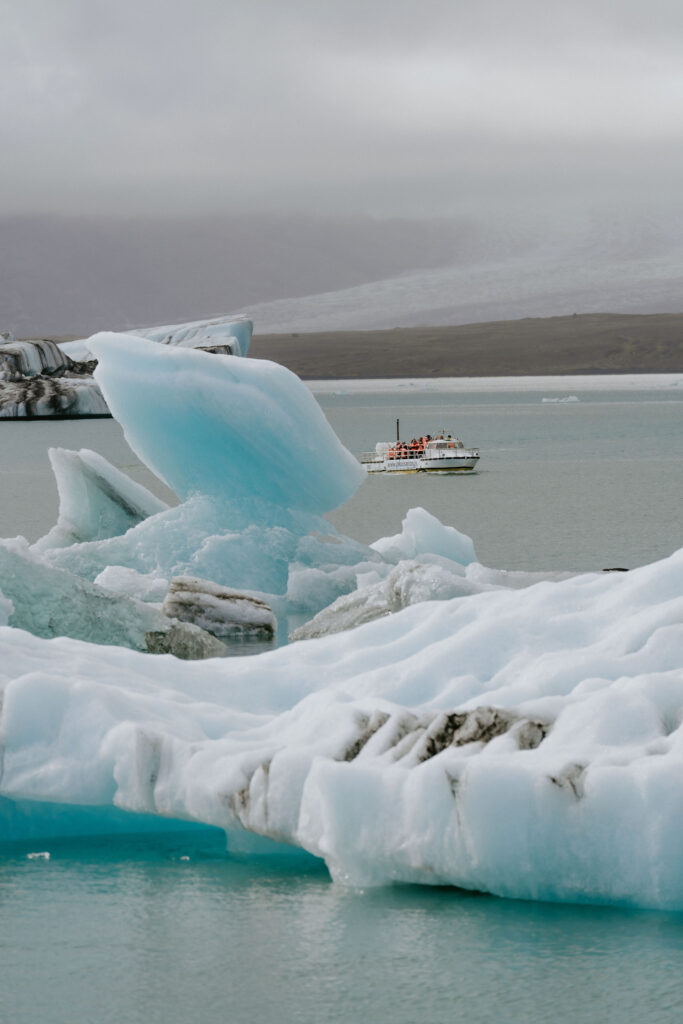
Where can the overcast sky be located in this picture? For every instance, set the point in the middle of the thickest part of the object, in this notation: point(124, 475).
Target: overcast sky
point(371, 106)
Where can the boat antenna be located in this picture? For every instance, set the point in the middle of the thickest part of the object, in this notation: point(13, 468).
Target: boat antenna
point(397, 434)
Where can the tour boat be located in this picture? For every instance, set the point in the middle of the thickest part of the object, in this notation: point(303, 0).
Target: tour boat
point(443, 453)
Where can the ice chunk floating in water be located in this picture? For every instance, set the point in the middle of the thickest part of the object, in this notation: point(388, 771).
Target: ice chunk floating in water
point(237, 429)
point(527, 742)
point(96, 500)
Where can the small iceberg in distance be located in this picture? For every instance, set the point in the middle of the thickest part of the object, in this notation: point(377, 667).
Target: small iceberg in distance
point(563, 400)
point(229, 335)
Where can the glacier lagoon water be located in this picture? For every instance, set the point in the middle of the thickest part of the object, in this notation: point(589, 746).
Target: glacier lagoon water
point(561, 485)
point(174, 931)
point(131, 931)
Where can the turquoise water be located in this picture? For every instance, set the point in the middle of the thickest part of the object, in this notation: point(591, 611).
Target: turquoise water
point(116, 932)
point(171, 929)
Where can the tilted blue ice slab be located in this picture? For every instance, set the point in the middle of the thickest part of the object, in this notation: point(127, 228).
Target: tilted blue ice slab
point(235, 429)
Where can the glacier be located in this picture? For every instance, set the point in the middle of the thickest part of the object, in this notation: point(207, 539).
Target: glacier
point(445, 723)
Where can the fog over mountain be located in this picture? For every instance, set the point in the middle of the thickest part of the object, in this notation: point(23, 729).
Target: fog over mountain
point(76, 275)
point(165, 159)
point(297, 273)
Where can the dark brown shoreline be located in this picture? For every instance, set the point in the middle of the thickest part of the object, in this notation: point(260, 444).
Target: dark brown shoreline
point(590, 343)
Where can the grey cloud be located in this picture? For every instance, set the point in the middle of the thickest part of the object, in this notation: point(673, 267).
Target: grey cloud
point(164, 106)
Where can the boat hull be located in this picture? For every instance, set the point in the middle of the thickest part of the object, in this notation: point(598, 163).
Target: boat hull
point(451, 464)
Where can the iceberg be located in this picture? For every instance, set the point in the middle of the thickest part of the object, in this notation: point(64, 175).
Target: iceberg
point(19, 359)
point(422, 533)
point(51, 602)
point(219, 610)
point(244, 431)
point(525, 743)
point(224, 334)
point(248, 451)
point(45, 397)
point(230, 335)
point(40, 378)
point(385, 590)
point(499, 732)
point(96, 500)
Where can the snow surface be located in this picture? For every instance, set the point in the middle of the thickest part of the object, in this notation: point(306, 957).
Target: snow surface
point(524, 738)
point(583, 260)
point(526, 743)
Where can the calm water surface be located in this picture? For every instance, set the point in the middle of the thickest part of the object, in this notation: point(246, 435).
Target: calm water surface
point(135, 934)
point(131, 932)
point(578, 485)
point(581, 485)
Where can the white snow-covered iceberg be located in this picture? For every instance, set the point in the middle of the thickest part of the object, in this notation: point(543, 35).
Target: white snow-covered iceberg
point(526, 743)
point(230, 335)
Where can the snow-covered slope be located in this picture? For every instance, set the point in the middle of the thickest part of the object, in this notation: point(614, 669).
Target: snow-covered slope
point(582, 265)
